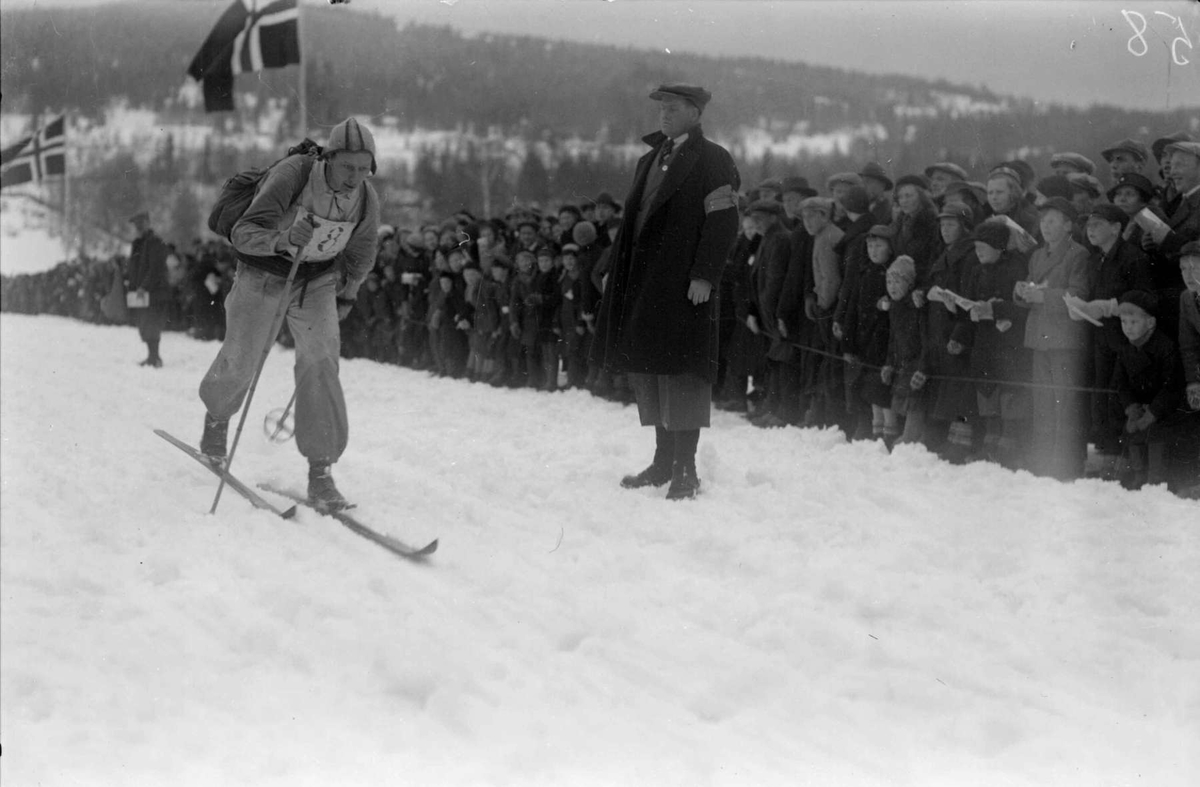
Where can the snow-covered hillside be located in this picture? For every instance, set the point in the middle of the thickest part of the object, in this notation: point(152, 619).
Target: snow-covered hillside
point(824, 614)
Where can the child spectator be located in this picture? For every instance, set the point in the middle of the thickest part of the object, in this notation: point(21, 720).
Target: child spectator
point(545, 300)
point(906, 330)
point(522, 320)
point(865, 340)
point(571, 325)
point(992, 332)
point(491, 322)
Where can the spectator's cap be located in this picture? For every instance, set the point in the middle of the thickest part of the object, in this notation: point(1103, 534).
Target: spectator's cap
point(583, 233)
point(875, 170)
point(140, 215)
point(1025, 173)
point(698, 96)
point(945, 166)
point(960, 213)
point(1142, 299)
point(994, 233)
point(1131, 146)
point(1110, 213)
point(920, 181)
point(525, 253)
point(1055, 186)
point(766, 206)
point(1160, 144)
point(797, 184)
point(977, 190)
point(1191, 148)
point(1190, 249)
point(1005, 171)
point(500, 262)
point(817, 204)
point(572, 209)
point(1137, 181)
point(1080, 162)
point(849, 178)
point(570, 248)
point(351, 136)
point(604, 198)
point(545, 250)
point(773, 184)
point(530, 222)
point(1081, 182)
point(855, 200)
point(1060, 204)
point(903, 268)
point(885, 231)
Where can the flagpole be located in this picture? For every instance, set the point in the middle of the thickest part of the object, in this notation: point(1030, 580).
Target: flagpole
point(303, 120)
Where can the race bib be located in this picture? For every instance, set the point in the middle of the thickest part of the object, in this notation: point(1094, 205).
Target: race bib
point(328, 239)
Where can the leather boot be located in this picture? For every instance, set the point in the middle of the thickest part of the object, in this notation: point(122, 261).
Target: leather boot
point(659, 471)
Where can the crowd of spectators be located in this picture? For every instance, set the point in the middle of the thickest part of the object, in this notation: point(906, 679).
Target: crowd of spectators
point(1047, 321)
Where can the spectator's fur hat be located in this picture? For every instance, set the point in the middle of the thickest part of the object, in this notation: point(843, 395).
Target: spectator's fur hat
point(994, 233)
point(350, 135)
point(903, 268)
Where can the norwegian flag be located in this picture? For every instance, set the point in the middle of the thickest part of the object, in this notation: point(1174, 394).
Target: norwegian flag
point(251, 35)
point(36, 157)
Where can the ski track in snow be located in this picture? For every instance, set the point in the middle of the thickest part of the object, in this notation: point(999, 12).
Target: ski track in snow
point(823, 614)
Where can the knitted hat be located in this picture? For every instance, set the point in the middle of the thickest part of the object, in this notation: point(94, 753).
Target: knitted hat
point(993, 232)
point(903, 268)
point(1136, 181)
point(1143, 299)
point(855, 200)
point(352, 136)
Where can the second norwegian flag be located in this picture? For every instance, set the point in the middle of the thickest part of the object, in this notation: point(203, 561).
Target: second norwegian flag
point(251, 35)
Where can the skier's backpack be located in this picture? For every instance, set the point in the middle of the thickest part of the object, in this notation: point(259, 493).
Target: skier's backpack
point(237, 192)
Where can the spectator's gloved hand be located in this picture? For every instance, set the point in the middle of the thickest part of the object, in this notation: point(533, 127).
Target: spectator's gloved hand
point(838, 331)
point(918, 298)
point(515, 330)
point(779, 324)
point(885, 374)
point(1146, 421)
point(954, 348)
point(918, 381)
point(1193, 396)
point(982, 311)
point(810, 308)
point(851, 360)
point(752, 324)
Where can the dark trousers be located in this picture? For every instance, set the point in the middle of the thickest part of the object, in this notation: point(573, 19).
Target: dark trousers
point(677, 402)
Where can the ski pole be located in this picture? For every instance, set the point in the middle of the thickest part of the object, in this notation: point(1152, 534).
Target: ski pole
point(281, 424)
point(276, 324)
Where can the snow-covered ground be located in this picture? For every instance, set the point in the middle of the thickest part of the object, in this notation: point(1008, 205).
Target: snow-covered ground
point(824, 614)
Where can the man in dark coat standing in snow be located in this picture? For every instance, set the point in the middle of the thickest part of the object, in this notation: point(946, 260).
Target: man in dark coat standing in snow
point(148, 276)
point(658, 315)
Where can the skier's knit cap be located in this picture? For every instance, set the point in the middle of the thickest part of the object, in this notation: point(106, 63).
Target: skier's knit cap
point(352, 136)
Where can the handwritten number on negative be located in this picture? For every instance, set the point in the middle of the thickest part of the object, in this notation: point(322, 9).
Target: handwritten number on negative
point(1138, 46)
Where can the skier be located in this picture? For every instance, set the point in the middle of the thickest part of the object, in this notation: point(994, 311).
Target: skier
point(324, 213)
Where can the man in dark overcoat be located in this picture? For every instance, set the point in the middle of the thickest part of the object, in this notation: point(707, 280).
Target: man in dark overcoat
point(148, 275)
point(658, 316)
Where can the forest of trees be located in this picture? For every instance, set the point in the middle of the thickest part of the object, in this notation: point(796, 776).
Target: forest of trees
point(536, 91)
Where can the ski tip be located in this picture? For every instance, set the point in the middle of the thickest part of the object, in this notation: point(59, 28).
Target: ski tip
point(289, 513)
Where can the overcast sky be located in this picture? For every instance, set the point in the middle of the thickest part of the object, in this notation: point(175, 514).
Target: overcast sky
point(1060, 50)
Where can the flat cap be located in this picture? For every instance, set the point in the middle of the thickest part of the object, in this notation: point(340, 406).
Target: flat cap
point(1127, 146)
point(1190, 249)
point(693, 93)
point(1080, 162)
point(873, 169)
point(1192, 148)
point(1110, 213)
point(820, 204)
point(1083, 182)
point(961, 213)
point(1143, 299)
point(570, 248)
point(766, 206)
point(855, 200)
point(1055, 186)
point(774, 184)
point(945, 166)
point(1134, 180)
point(1024, 171)
point(885, 231)
point(604, 198)
point(977, 190)
point(1161, 143)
